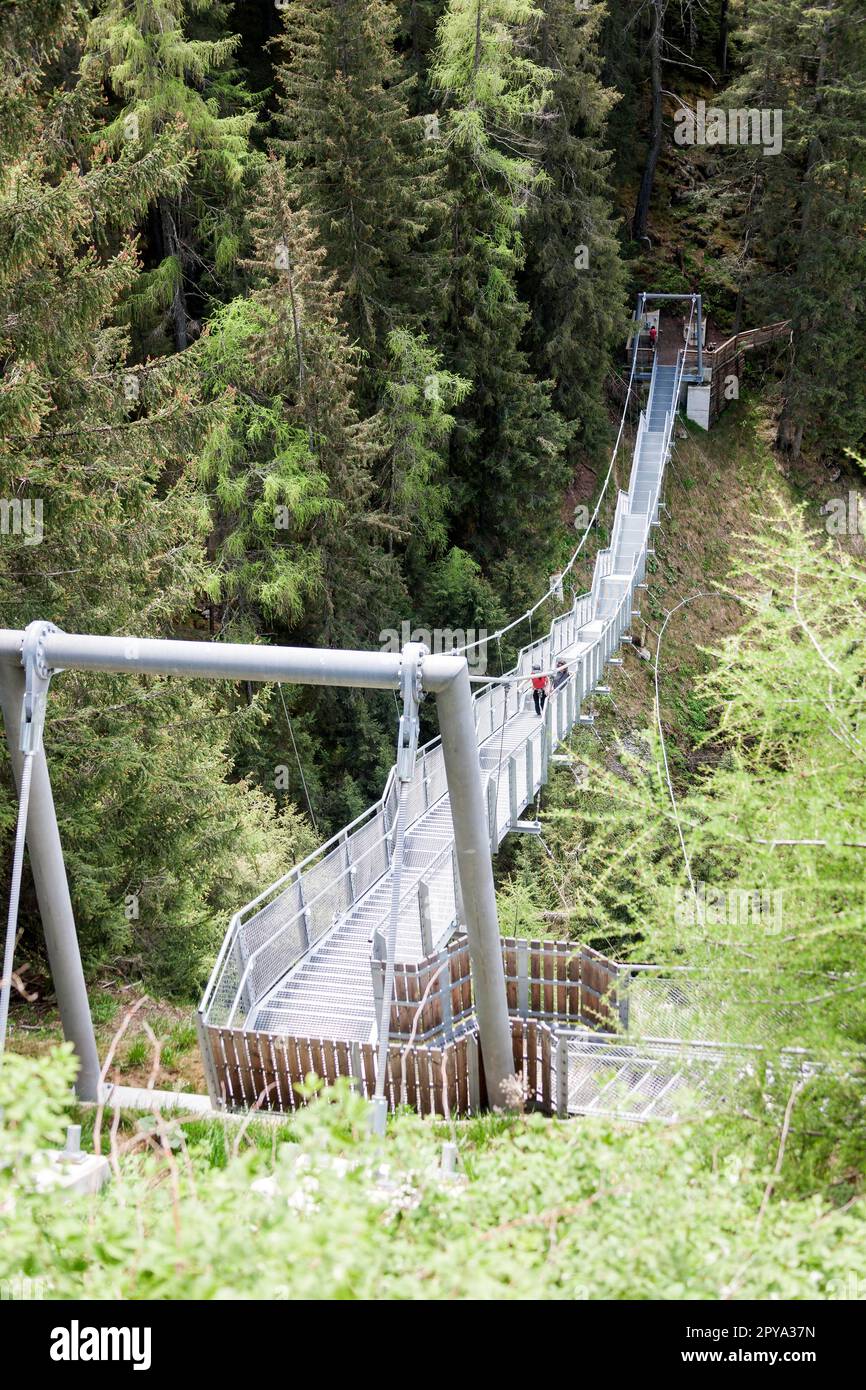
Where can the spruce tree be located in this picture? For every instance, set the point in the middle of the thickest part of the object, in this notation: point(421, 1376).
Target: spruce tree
point(295, 467)
point(574, 277)
point(807, 251)
point(161, 839)
point(363, 165)
point(417, 42)
point(164, 77)
point(419, 396)
point(507, 455)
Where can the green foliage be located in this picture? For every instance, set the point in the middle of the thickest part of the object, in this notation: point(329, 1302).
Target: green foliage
point(167, 79)
point(545, 1211)
point(574, 279)
point(507, 451)
point(803, 214)
point(316, 455)
point(364, 170)
point(773, 823)
point(34, 1099)
point(106, 449)
point(136, 1054)
point(418, 395)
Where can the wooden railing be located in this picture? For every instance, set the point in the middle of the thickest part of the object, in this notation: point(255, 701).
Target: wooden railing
point(742, 342)
point(549, 984)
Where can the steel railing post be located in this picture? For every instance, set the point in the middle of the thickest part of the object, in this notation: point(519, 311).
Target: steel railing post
point(425, 918)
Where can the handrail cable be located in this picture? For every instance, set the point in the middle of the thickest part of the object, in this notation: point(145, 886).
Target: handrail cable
point(471, 646)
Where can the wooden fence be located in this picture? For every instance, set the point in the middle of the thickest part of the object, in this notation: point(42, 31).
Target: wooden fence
point(443, 980)
point(441, 1071)
point(728, 359)
point(268, 1072)
point(558, 981)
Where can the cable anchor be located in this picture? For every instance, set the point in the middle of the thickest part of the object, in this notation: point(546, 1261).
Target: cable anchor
point(37, 675)
point(410, 688)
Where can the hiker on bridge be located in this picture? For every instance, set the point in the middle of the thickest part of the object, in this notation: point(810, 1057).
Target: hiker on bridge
point(561, 674)
point(540, 684)
point(653, 336)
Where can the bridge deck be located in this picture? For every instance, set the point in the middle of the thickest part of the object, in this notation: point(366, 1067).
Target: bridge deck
point(300, 964)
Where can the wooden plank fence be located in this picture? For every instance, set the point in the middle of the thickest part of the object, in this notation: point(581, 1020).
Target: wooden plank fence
point(559, 981)
point(268, 1072)
point(441, 1072)
point(442, 980)
point(728, 359)
point(265, 1071)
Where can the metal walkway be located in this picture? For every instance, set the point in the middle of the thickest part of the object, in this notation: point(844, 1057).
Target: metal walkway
point(296, 960)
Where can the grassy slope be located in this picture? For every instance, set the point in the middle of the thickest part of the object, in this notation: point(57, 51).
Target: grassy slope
point(717, 490)
point(318, 1208)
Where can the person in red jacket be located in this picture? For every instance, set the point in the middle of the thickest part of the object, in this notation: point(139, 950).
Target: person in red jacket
point(654, 333)
point(539, 689)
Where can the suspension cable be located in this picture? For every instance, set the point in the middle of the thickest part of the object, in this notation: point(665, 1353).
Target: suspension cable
point(529, 612)
point(14, 895)
point(391, 942)
point(298, 757)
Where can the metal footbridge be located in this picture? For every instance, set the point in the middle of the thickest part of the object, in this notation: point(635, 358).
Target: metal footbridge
point(366, 964)
point(298, 961)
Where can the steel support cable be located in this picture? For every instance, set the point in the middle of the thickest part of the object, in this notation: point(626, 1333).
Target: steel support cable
point(458, 651)
point(391, 941)
point(298, 758)
point(14, 896)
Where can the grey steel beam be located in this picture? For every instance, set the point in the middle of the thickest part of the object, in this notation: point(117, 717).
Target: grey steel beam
point(445, 676)
point(52, 890)
point(232, 661)
point(469, 814)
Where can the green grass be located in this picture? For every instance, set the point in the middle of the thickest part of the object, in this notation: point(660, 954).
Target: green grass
point(319, 1208)
point(103, 1008)
point(136, 1054)
point(183, 1037)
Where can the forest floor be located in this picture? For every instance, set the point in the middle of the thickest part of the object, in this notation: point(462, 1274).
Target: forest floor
point(718, 488)
point(34, 1027)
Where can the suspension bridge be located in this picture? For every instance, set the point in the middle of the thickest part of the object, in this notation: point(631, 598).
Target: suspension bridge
point(299, 962)
point(379, 957)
